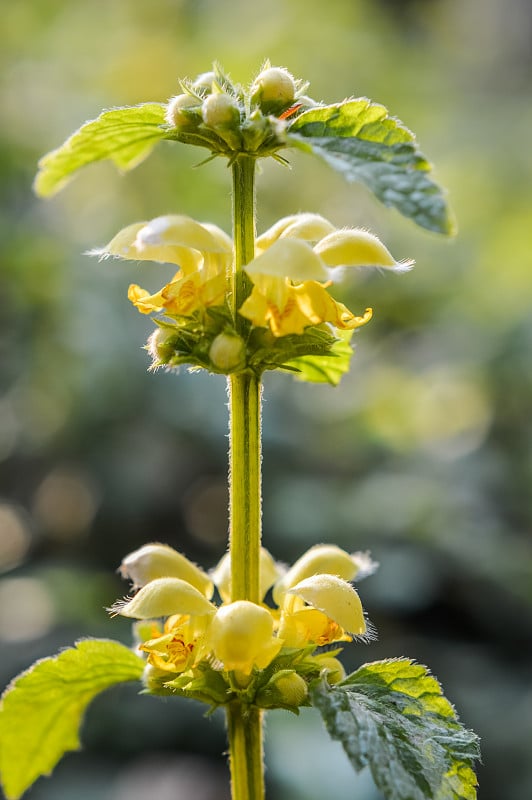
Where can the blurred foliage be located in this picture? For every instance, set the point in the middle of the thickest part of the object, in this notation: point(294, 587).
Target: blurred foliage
point(423, 454)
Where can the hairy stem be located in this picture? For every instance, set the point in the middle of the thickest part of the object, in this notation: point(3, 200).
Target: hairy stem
point(245, 752)
point(244, 405)
point(244, 723)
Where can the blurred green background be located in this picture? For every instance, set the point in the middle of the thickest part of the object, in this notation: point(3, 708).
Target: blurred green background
point(424, 452)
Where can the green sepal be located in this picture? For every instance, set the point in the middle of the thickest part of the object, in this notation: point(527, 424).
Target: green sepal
point(391, 716)
point(329, 368)
point(126, 136)
point(205, 684)
point(315, 355)
point(360, 140)
point(42, 709)
point(268, 352)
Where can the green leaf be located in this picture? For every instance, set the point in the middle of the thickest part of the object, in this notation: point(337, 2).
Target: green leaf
point(359, 139)
point(392, 717)
point(42, 709)
point(124, 135)
point(324, 369)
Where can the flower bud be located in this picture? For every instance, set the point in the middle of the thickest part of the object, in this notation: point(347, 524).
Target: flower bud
point(155, 681)
point(241, 636)
point(227, 352)
point(161, 561)
point(333, 668)
point(273, 90)
point(220, 111)
point(286, 689)
point(179, 111)
point(204, 81)
point(161, 345)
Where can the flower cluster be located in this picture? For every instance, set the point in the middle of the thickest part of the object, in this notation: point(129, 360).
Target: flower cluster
point(296, 261)
point(213, 112)
point(268, 652)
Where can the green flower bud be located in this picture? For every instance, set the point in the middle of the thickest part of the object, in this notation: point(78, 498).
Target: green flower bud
point(273, 90)
point(286, 689)
point(161, 346)
point(227, 352)
point(334, 669)
point(204, 81)
point(220, 111)
point(176, 111)
point(155, 679)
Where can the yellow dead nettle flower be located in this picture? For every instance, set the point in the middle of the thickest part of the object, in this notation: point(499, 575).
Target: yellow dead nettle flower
point(324, 558)
point(241, 637)
point(290, 276)
point(202, 251)
point(321, 609)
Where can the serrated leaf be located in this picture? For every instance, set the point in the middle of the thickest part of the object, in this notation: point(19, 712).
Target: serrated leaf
point(359, 139)
point(124, 135)
point(324, 369)
point(392, 717)
point(41, 711)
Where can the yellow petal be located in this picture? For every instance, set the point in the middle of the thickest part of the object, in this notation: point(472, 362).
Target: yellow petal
point(318, 306)
point(269, 573)
point(143, 300)
point(223, 239)
point(263, 310)
point(163, 597)
point(176, 229)
point(357, 248)
point(288, 258)
point(190, 293)
point(128, 244)
point(161, 561)
point(256, 309)
point(309, 227)
point(310, 626)
point(336, 598)
point(322, 558)
point(121, 245)
point(241, 636)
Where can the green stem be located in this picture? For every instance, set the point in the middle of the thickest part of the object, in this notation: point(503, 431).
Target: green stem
point(245, 408)
point(246, 759)
point(244, 723)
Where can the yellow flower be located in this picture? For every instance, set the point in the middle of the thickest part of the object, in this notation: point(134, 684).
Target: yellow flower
point(291, 276)
point(324, 558)
point(178, 648)
point(296, 260)
point(320, 610)
point(316, 606)
point(202, 251)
